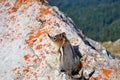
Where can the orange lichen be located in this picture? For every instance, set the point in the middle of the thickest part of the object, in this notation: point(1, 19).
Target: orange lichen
point(29, 27)
point(14, 9)
point(24, 10)
point(27, 56)
point(17, 70)
point(105, 79)
point(20, 1)
point(40, 32)
point(106, 72)
point(23, 1)
point(38, 18)
point(0, 39)
point(13, 18)
point(28, 61)
point(54, 21)
point(61, 30)
point(26, 70)
point(32, 32)
point(52, 27)
point(7, 4)
point(31, 37)
point(29, 42)
point(35, 60)
point(49, 21)
point(45, 11)
point(30, 4)
point(43, 56)
point(17, 4)
point(43, 66)
point(19, 34)
point(98, 77)
point(41, 40)
point(96, 55)
point(42, 26)
point(48, 77)
point(38, 47)
point(12, 39)
point(1, 11)
point(6, 35)
point(92, 78)
point(38, 0)
point(85, 61)
point(34, 74)
point(0, 1)
point(49, 44)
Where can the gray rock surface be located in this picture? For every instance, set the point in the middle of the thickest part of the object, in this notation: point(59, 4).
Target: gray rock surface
point(27, 53)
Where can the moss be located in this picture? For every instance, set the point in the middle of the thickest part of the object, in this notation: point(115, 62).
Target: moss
point(115, 50)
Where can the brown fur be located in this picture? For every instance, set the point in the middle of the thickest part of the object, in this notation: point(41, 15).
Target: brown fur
point(58, 39)
point(69, 62)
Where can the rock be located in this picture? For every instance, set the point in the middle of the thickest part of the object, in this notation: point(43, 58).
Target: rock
point(27, 53)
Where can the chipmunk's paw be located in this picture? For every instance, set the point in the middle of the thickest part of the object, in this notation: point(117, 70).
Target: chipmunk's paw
point(61, 71)
point(76, 76)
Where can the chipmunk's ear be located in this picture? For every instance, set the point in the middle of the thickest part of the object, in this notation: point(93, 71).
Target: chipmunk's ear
point(49, 36)
point(64, 34)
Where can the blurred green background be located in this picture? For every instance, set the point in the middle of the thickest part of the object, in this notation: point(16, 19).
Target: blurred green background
point(98, 19)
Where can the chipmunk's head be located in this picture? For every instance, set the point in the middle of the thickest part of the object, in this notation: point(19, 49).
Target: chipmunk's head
point(58, 39)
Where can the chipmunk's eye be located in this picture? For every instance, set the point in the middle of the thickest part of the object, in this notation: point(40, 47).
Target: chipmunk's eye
point(61, 35)
point(54, 38)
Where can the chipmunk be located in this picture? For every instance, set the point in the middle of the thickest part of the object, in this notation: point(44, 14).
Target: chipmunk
point(42, 1)
point(69, 62)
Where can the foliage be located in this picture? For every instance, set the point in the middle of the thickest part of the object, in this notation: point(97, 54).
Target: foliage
point(98, 19)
